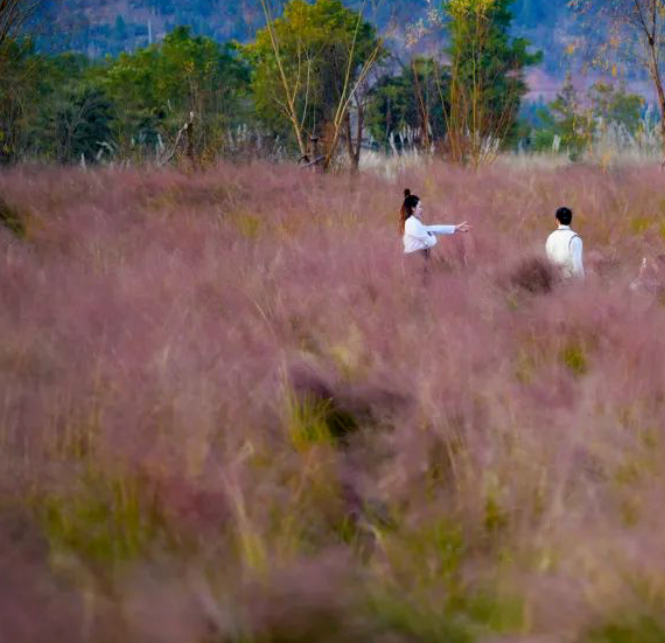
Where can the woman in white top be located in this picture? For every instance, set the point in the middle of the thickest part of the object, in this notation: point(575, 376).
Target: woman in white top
point(418, 237)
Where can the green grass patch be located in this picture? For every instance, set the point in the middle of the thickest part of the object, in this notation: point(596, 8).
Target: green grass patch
point(639, 225)
point(104, 519)
point(249, 226)
point(312, 421)
point(418, 621)
point(307, 421)
point(574, 357)
point(638, 629)
point(13, 219)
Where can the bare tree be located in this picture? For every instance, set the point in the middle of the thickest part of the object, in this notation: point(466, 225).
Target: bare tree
point(291, 89)
point(354, 141)
point(186, 130)
point(423, 107)
point(14, 15)
point(350, 91)
point(635, 27)
point(355, 122)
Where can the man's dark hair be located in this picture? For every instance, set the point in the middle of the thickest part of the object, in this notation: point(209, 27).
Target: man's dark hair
point(564, 216)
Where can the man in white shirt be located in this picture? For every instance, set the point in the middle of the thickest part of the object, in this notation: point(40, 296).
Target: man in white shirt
point(564, 246)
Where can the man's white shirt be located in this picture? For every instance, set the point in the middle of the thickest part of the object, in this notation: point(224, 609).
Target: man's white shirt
point(565, 249)
point(418, 236)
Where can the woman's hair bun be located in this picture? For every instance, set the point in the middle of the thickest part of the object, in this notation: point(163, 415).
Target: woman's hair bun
point(407, 193)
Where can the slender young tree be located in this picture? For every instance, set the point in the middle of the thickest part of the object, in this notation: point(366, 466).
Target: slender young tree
point(408, 105)
point(309, 68)
point(487, 78)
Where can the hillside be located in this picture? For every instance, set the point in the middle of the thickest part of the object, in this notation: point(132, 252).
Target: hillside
point(99, 27)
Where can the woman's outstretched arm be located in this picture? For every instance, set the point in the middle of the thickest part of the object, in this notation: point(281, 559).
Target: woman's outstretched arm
point(441, 229)
point(449, 229)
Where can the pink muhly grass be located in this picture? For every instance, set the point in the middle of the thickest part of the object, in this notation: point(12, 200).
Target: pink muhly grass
point(234, 381)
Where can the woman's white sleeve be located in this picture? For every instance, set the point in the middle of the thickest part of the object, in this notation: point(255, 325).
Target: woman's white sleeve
point(428, 240)
point(441, 229)
point(416, 229)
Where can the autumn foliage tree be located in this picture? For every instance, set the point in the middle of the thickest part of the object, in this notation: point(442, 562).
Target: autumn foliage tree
point(637, 31)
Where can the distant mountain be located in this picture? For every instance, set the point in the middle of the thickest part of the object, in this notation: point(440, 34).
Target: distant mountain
point(100, 27)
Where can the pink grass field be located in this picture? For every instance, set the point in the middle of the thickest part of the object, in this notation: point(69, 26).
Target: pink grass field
point(230, 412)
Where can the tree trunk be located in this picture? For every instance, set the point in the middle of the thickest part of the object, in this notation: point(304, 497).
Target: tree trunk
point(349, 138)
point(661, 104)
point(302, 146)
point(354, 148)
point(189, 149)
point(661, 100)
point(359, 136)
point(422, 108)
point(660, 91)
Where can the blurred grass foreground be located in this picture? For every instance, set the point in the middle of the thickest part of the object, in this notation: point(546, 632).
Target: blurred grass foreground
point(229, 413)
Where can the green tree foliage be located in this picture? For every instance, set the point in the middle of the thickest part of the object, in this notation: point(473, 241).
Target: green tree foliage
point(35, 95)
point(487, 74)
point(17, 93)
point(615, 105)
point(82, 124)
point(62, 107)
point(568, 120)
point(304, 74)
point(411, 102)
point(155, 89)
point(575, 120)
point(317, 43)
point(637, 29)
